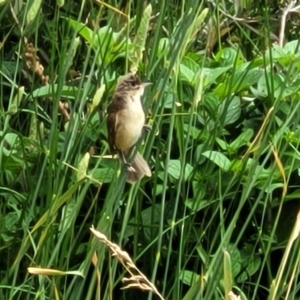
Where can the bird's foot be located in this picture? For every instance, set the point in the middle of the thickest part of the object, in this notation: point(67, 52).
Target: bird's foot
point(129, 168)
point(147, 128)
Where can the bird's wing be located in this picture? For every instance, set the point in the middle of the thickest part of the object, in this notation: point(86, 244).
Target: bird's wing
point(111, 123)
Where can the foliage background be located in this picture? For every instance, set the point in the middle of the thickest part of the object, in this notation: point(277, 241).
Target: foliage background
point(219, 214)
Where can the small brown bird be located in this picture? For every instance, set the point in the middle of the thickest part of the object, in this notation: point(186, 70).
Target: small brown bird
point(125, 124)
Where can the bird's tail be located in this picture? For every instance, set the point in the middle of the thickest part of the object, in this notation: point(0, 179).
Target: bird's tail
point(138, 169)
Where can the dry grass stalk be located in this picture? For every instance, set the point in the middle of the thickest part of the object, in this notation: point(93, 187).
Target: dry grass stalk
point(290, 8)
point(33, 64)
point(137, 278)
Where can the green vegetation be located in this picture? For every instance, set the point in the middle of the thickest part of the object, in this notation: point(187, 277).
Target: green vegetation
point(218, 217)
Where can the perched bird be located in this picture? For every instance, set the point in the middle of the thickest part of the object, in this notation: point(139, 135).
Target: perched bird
point(125, 125)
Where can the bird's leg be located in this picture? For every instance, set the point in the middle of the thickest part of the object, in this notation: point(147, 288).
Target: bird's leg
point(123, 158)
point(127, 164)
point(147, 127)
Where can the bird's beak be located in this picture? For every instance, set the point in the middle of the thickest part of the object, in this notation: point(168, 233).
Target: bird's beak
point(145, 84)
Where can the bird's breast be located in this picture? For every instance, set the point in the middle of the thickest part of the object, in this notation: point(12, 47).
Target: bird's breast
point(129, 125)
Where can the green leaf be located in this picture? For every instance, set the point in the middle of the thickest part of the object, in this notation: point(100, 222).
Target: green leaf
point(243, 139)
point(265, 82)
point(190, 63)
point(174, 169)
point(233, 110)
point(229, 57)
point(292, 47)
point(236, 261)
point(211, 75)
point(194, 205)
point(69, 92)
point(88, 34)
point(10, 138)
point(104, 175)
point(189, 277)
point(219, 159)
point(241, 81)
point(148, 217)
point(186, 74)
point(252, 264)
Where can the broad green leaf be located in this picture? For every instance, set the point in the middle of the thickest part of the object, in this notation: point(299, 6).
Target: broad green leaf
point(243, 139)
point(246, 79)
point(104, 175)
point(232, 111)
point(219, 159)
point(211, 75)
point(186, 74)
point(190, 63)
point(250, 265)
point(292, 47)
point(235, 257)
point(174, 169)
point(189, 277)
point(241, 81)
point(264, 85)
point(229, 57)
point(8, 68)
point(120, 36)
point(148, 217)
point(88, 34)
point(222, 144)
point(10, 138)
point(196, 205)
point(211, 103)
point(69, 92)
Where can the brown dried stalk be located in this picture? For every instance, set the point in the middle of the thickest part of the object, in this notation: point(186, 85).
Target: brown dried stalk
point(137, 278)
point(33, 64)
point(290, 8)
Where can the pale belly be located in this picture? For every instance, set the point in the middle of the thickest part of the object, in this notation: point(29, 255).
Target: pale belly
point(129, 132)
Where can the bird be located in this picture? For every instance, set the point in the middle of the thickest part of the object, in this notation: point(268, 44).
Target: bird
point(125, 125)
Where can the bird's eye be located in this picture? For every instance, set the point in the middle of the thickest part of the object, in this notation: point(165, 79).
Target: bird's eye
point(132, 81)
